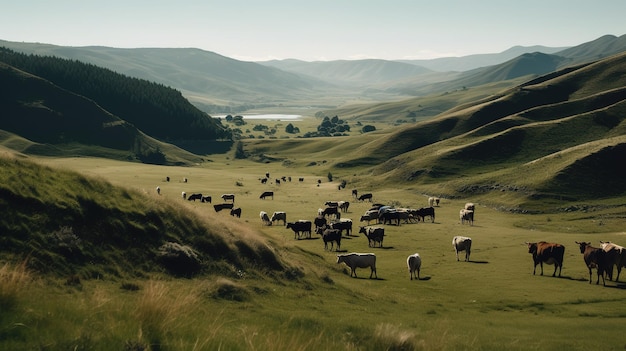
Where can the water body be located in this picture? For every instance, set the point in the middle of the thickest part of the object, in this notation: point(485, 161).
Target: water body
point(269, 117)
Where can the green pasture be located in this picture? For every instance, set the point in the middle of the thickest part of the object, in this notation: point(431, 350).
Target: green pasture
point(492, 302)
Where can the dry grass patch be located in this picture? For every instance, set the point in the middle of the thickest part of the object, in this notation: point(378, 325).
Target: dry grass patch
point(14, 280)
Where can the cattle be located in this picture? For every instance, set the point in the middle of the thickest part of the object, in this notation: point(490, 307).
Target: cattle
point(320, 222)
point(374, 235)
point(389, 217)
point(330, 211)
point(466, 216)
point(263, 180)
point(470, 206)
point(426, 212)
point(219, 207)
point(462, 243)
point(267, 175)
point(228, 197)
point(414, 263)
point(364, 197)
point(343, 224)
point(279, 216)
point(331, 204)
point(369, 216)
point(549, 253)
point(265, 218)
point(301, 179)
point(355, 193)
point(236, 212)
point(359, 260)
point(618, 254)
point(158, 190)
point(331, 236)
point(344, 205)
point(167, 179)
point(300, 227)
point(594, 258)
point(267, 194)
point(184, 180)
point(184, 195)
point(194, 197)
point(205, 199)
point(431, 201)
point(437, 200)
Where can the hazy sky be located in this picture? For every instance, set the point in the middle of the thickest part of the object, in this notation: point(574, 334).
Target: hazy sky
point(314, 29)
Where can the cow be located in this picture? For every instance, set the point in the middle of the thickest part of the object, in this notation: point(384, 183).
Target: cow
point(374, 235)
point(328, 211)
point(466, 216)
point(301, 179)
point(300, 227)
point(414, 263)
point(437, 200)
point(184, 195)
point(389, 216)
point(320, 222)
point(263, 180)
point(344, 205)
point(228, 197)
point(265, 218)
point(158, 190)
point(431, 201)
point(618, 254)
point(343, 224)
point(369, 216)
point(549, 253)
point(279, 216)
point(267, 194)
point(594, 258)
point(205, 199)
point(470, 206)
point(364, 197)
point(331, 236)
point(359, 260)
point(219, 207)
point(426, 212)
point(462, 243)
point(194, 197)
point(355, 193)
point(331, 204)
point(236, 212)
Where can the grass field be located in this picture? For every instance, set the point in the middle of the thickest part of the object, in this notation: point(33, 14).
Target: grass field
point(492, 302)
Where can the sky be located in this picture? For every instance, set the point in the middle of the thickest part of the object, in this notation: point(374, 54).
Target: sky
point(314, 30)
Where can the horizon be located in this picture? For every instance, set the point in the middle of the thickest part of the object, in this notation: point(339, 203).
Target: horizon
point(320, 31)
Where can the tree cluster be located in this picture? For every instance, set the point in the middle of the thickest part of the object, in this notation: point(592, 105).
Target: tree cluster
point(330, 127)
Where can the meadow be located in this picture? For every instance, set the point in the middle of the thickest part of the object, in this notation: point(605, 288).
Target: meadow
point(492, 302)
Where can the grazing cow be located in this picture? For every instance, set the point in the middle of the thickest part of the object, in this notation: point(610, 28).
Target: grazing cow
point(462, 243)
point(279, 216)
point(431, 201)
point(549, 253)
point(466, 216)
point(283, 178)
point(236, 212)
point(320, 222)
point(359, 260)
point(301, 179)
point(618, 254)
point(343, 224)
point(344, 205)
point(263, 180)
point(300, 227)
point(267, 194)
point(267, 175)
point(389, 216)
point(331, 204)
point(158, 189)
point(184, 180)
point(594, 258)
point(277, 181)
point(414, 263)
point(205, 199)
point(426, 212)
point(184, 195)
point(355, 193)
point(374, 235)
point(228, 197)
point(219, 207)
point(437, 200)
point(364, 197)
point(328, 211)
point(167, 179)
point(370, 215)
point(265, 218)
point(194, 197)
point(331, 236)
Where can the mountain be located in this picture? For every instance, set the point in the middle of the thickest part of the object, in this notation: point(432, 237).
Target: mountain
point(470, 62)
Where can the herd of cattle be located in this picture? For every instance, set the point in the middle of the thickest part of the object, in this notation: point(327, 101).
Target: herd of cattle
point(331, 227)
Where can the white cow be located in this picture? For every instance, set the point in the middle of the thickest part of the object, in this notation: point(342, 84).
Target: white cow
point(265, 218)
point(466, 216)
point(617, 255)
point(359, 260)
point(158, 189)
point(462, 243)
point(184, 195)
point(414, 263)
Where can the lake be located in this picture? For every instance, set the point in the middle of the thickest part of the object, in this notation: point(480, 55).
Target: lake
point(268, 117)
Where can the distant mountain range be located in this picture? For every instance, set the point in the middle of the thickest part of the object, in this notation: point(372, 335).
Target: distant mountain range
point(218, 84)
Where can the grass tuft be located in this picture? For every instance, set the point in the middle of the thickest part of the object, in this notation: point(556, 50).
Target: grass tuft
point(14, 280)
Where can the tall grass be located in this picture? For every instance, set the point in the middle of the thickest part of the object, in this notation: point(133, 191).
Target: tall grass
point(14, 280)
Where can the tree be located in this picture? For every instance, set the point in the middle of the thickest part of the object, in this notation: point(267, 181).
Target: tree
point(368, 128)
point(239, 153)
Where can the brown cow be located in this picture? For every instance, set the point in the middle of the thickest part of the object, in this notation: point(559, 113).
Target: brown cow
point(594, 257)
point(550, 253)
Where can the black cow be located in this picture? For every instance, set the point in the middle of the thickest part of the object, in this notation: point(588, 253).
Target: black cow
point(205, 199)
point(236, 212)
point(426, 212)
point(343, 224)
point(364, 197)
point(331, 236)
point(301, 227)
point(219, 207)
point(195, 197)
point(267, 194)
point(389, 217)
